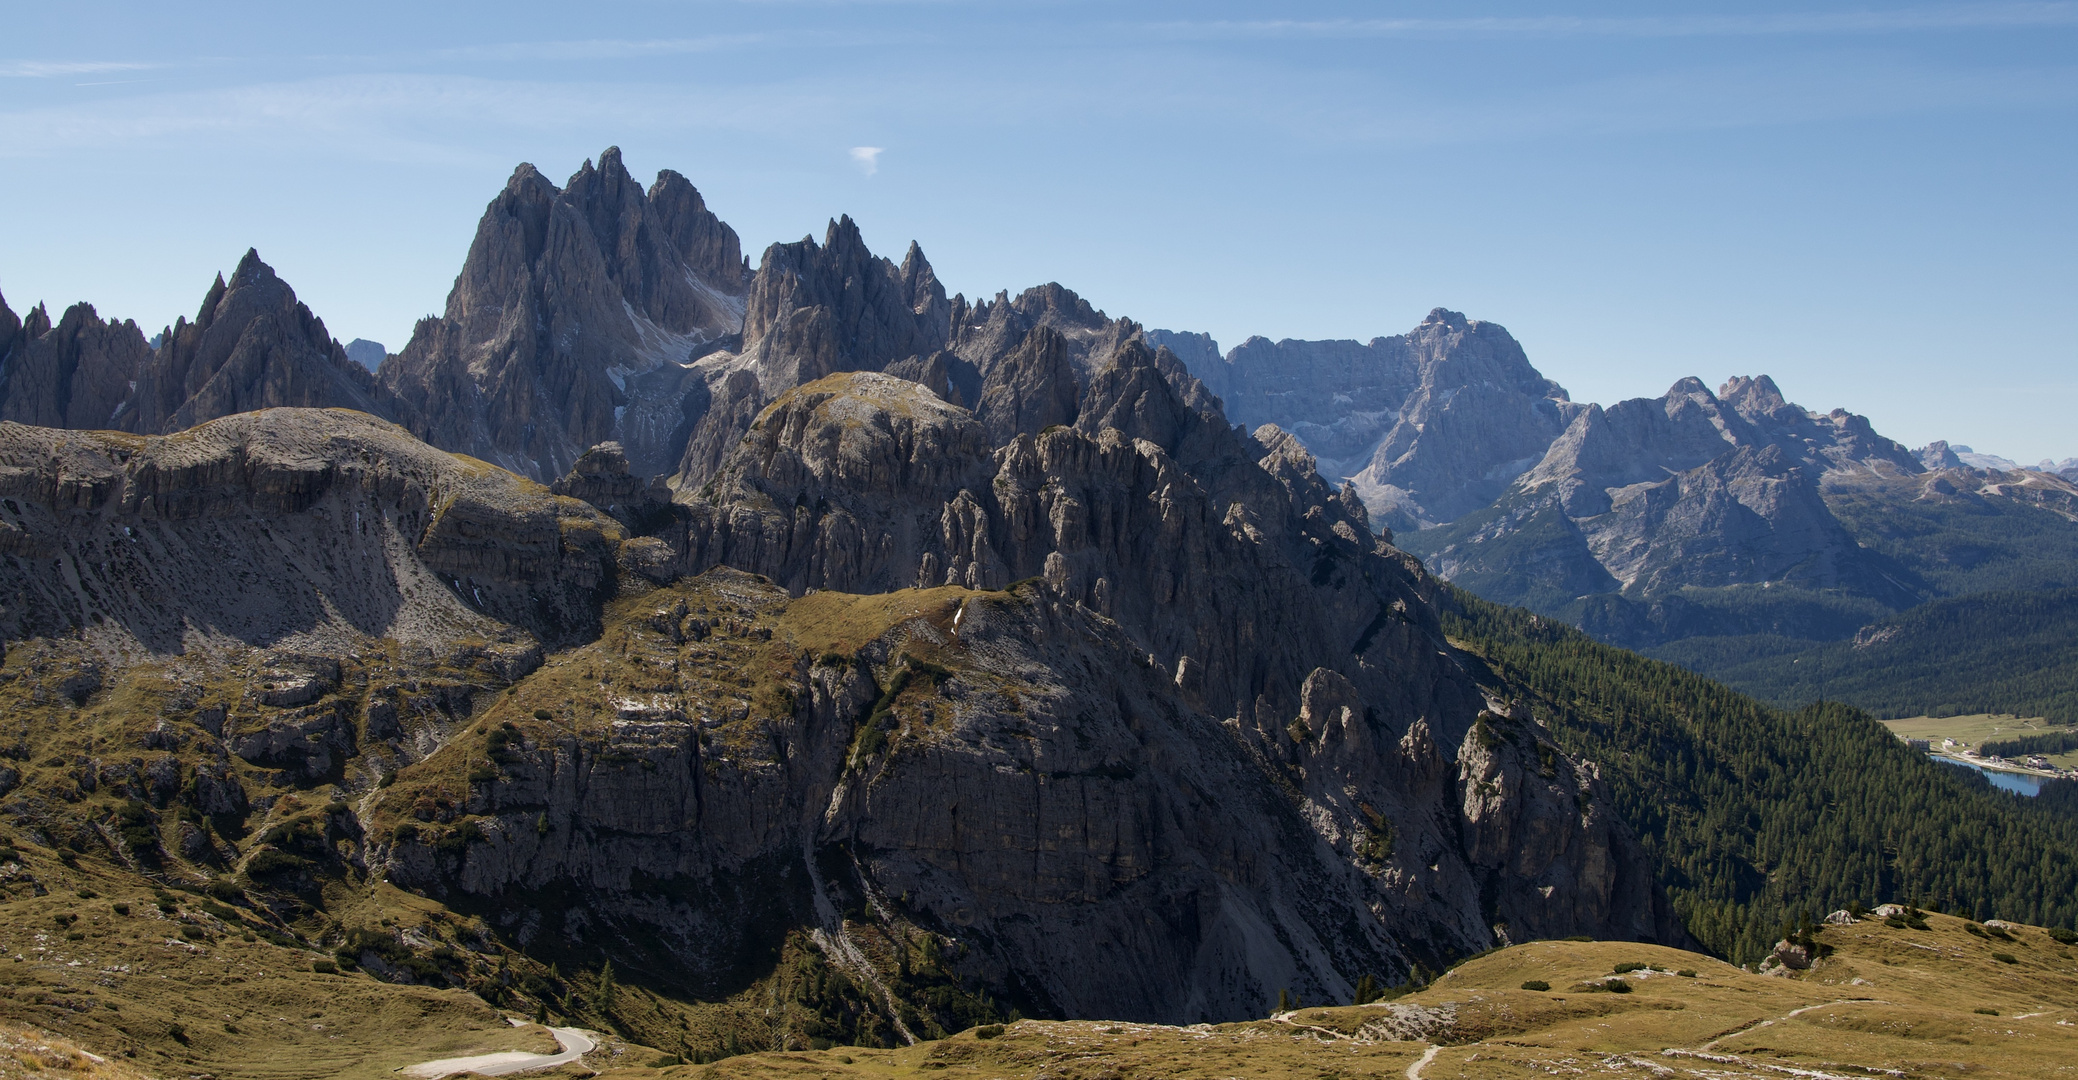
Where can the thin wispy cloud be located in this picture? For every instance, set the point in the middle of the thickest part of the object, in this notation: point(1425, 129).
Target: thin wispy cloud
point(867, 158)
point(1905, 20)
point(48, 69)
point(601, 49)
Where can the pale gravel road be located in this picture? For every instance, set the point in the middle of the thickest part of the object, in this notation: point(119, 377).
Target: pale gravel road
point(575, 1044)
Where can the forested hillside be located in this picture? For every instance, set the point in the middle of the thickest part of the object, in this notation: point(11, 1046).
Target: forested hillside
point(1964, 543)
point(2010, 652)
point(1754, 815)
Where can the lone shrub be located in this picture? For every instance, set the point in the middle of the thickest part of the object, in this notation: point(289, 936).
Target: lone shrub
point(1536, 984)
point(1625, 969)
point(2005, 958)
point(1617, 986)
point(988, 1031)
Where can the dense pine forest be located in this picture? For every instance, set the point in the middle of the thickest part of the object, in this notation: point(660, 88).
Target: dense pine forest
point(2007, 652)
point(1755, 815)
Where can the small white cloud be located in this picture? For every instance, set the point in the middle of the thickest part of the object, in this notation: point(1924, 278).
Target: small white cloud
point(867, 157)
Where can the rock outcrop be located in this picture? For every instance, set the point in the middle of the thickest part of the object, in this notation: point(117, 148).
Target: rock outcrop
point(972, 629)
point(1160, 669)
point(252, 345)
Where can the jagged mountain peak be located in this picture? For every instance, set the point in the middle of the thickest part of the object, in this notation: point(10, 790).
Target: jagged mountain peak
point(1454, 320)
point(710, 248)
point(1938, 455)
point(1761, 401)
point(252, 345)
point(572, 321)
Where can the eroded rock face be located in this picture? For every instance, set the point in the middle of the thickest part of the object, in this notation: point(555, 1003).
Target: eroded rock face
point(814, 309)
point(1431, 425)
point(76, 374)
point(1005, 770)
point(1149, 512)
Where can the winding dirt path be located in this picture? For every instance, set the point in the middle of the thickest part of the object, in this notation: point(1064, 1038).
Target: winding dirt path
point(1771, 1021)
point(1414, 1070)
point(575, 1044)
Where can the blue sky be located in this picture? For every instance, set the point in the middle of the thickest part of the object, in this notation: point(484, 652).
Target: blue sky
point(1872, 202)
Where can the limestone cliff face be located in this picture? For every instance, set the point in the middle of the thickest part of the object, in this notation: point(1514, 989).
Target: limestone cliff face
point(572, 323)
point(813, 309)
point(1026, 791)
point(1338, 397)
point(1146, 510)
point(1169, 730)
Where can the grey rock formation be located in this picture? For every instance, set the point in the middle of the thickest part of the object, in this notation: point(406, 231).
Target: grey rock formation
point(368, 354)
point(573, 322)
point(1082, 841)
point(1145, 607)
point(813, 309)
point(1339, 397)
point(1653, 498)
point(1937, 455)
point(1163, 668)
point(707, 244)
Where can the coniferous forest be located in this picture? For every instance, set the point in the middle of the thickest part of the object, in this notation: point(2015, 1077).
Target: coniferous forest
point(2010, 652)
point(1755, 815)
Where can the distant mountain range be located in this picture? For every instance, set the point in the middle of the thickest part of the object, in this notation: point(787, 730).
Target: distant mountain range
point(1656, 519)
